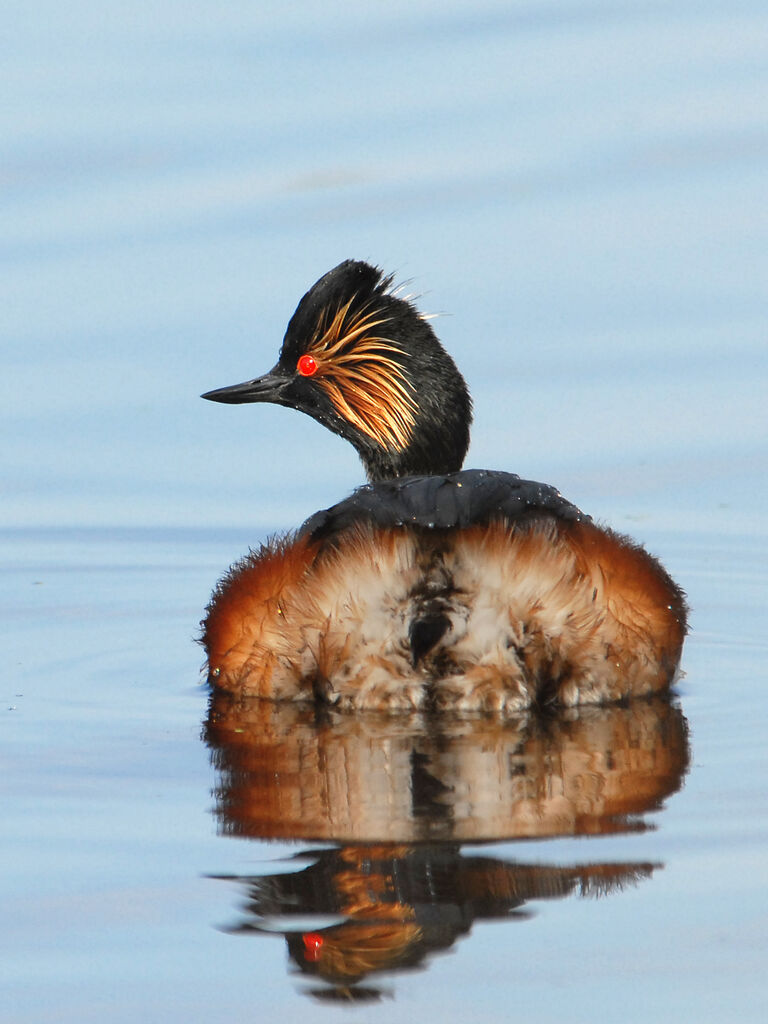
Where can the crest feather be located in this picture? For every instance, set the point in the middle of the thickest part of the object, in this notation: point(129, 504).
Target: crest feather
point(361, 371)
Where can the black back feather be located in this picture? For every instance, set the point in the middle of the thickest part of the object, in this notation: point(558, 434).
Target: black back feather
point(470, 497)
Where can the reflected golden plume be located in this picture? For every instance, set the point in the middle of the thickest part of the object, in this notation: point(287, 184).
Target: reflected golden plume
point(404, 904)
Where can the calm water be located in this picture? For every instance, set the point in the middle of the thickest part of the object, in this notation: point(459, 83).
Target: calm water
point(580, 188)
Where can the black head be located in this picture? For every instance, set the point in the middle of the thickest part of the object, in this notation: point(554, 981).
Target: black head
point(368, 366)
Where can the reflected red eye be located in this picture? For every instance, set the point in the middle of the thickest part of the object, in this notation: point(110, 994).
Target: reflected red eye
point(306, 366)
point(313, 943)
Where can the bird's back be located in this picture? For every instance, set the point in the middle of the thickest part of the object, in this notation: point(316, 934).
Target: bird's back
point(470, 497)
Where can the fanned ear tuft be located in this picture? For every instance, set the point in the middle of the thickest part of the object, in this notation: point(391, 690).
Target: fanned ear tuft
point(362, 372)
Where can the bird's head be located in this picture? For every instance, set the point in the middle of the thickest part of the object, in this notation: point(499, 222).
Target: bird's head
point(367, 365)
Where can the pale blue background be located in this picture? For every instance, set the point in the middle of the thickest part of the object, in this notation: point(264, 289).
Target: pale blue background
point(581, 187)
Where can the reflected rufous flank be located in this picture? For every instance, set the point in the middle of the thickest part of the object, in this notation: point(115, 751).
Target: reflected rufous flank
point(285, 772)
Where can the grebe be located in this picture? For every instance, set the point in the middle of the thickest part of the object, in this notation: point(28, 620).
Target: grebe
point(430, 587)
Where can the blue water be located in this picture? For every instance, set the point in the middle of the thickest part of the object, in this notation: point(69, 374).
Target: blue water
point(579, 191)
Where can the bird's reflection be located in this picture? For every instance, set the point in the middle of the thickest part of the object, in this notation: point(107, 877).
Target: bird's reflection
point(398, 905)
point(398, 796)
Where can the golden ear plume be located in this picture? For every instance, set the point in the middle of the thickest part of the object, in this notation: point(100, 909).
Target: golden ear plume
point(356, 369)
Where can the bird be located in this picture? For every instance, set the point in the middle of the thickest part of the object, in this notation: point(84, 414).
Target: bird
point(431, 587)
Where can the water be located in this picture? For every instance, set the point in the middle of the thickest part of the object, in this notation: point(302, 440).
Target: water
point(581, 190)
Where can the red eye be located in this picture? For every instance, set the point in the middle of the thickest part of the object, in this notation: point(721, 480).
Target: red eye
point(306, 366)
